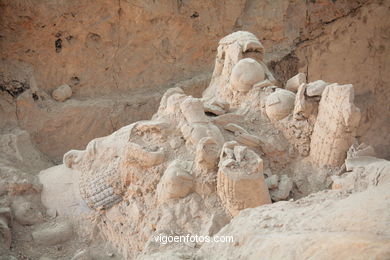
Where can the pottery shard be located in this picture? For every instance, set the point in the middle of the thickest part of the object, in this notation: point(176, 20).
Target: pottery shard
point(236, 129)
point(316, 88)
point(136, 154)
point(216, 107)
point(240, 182)
point(245, 74)
point(151, 126)
point(177, 181)
point(53, 235)
point(279, 104)
point(242, 136)
point(225, 119)
point(216, 110)
point(248, 139)
point(358, 150)
point(302, 107)
point(294, 83)
point(207, 153)
point(62, 93)
point(263, 84)
point(359, 155)
point(354, 163)
point(335, 128)
point(369, 172)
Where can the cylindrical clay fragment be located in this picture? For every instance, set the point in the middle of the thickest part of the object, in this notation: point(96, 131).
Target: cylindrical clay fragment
point(241, 182)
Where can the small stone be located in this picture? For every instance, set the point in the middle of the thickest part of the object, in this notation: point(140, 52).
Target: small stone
point(272, 181)
point(294, 83)
point(175, 143)
point(283, 190)
point(239, 152)
point(316, 88)
point(62, 93)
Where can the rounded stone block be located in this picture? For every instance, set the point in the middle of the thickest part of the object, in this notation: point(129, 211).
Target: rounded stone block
point(245, 74)
point(279, 104)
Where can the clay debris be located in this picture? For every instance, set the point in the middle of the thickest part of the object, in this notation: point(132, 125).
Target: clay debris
point(218, 149)
point(242, 153)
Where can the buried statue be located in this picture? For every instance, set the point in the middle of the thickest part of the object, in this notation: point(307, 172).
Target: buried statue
point(201, 161)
